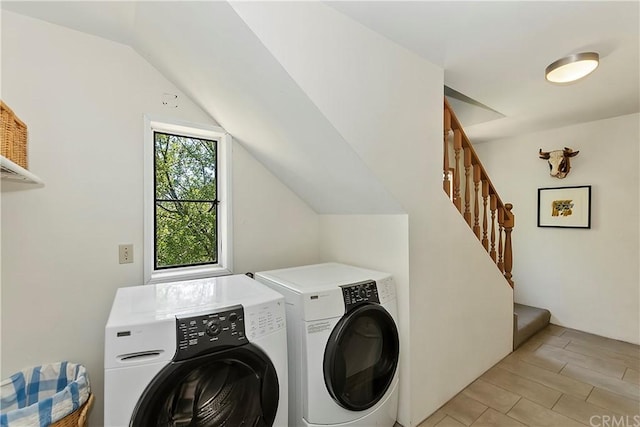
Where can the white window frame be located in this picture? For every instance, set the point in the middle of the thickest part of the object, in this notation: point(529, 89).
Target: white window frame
point(223, 177)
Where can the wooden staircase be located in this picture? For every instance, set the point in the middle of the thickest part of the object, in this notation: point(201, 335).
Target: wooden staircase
point(467, 184)
point(495, 216)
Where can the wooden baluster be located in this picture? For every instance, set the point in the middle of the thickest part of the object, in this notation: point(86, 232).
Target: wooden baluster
point(485, 196)
point(476, 201)
point(457, 146)
point(493, 206)
point(509, 223)
point(445, 167)
point(467, 185)
point(500, 263)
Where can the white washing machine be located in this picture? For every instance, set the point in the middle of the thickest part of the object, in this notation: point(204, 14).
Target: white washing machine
point(343, 344)
point(209, 352)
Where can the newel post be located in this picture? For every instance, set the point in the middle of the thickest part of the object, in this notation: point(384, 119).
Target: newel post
point(509, 223)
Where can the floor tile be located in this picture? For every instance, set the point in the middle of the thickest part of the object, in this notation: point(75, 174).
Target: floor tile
point(538, 359)
point(493, 418)
point(449, 422)
point(533, 414)
point(615, 345)
point(632, 376)
point(562, 383)
point(614, 402)
point(464, 409)
point(544, 338)
point(580, 410)
point(613, 369)
point(516, 384)
point(552, 329)
point(530, 345)
point(433, 419)
point(611, 384)
point(603, 353)
point(493, 396)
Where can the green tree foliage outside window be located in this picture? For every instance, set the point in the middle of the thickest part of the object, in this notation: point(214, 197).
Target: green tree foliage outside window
point(185, 201)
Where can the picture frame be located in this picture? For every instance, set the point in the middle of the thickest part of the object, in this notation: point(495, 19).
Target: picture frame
point(565, 207)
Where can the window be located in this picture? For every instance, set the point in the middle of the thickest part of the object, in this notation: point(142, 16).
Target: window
point(187, 204)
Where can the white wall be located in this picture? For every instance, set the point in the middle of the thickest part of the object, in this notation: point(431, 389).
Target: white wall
point(83, 99)
point(387, 104)
point(588, 279)
point(272, 227)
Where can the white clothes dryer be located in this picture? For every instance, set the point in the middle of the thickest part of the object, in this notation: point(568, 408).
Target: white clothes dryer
point(209, 352)
point(343, 344)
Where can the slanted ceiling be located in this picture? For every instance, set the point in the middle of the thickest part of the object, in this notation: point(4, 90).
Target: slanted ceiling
point(469, 111)
point(208, 51)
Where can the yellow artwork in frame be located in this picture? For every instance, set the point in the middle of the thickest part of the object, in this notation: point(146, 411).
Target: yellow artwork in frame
point(565, 207)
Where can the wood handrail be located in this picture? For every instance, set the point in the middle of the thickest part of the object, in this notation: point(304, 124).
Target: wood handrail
point(499, 219)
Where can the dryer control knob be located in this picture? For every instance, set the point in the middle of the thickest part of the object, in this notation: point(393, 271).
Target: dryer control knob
point(362, 292)
point(213, 328)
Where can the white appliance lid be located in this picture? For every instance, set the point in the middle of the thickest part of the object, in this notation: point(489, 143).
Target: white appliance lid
point(141, 304)
point(320, 277)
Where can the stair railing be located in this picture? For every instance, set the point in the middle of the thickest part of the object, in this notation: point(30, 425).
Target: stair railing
point(484, 211)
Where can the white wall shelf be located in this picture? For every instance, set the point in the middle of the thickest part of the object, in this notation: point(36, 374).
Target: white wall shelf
point(14, 172)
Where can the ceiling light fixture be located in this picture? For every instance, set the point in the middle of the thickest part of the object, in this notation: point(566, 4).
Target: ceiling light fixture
point(572, 67)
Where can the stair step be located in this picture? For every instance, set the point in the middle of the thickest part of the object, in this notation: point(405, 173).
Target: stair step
point(527, 322)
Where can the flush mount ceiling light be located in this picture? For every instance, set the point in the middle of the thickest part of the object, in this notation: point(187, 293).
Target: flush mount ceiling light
point(572, 68)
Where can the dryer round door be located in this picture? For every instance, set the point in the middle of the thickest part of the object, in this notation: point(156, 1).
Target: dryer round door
point(233, 387)
point(361, 357)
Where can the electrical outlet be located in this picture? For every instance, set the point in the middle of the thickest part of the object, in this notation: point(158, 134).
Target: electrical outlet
point(125, 253)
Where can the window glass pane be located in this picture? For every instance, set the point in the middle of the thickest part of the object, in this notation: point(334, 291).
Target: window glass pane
point(185, 168)
point(185, 173)
point(185, 233)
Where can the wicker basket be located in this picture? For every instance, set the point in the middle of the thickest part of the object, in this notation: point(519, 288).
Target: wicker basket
point(14, 137)
point(78, 418)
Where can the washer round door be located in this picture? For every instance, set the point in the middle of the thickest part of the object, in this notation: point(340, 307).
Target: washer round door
point(233, 387)
point(361, 357)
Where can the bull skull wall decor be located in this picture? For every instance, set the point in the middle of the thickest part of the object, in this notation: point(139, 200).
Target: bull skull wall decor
point(559, 161)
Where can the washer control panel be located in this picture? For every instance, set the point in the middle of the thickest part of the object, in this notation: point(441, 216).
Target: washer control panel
point(359, 293)
point(200, 334)
point(265, 319)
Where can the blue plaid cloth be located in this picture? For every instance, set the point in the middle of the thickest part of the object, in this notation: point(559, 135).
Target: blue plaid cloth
point(42, 395)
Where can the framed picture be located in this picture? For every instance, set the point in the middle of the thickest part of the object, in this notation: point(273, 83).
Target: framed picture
point(566, 207)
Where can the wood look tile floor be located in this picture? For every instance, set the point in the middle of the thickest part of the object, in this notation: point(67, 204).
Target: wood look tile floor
point(559, 378)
